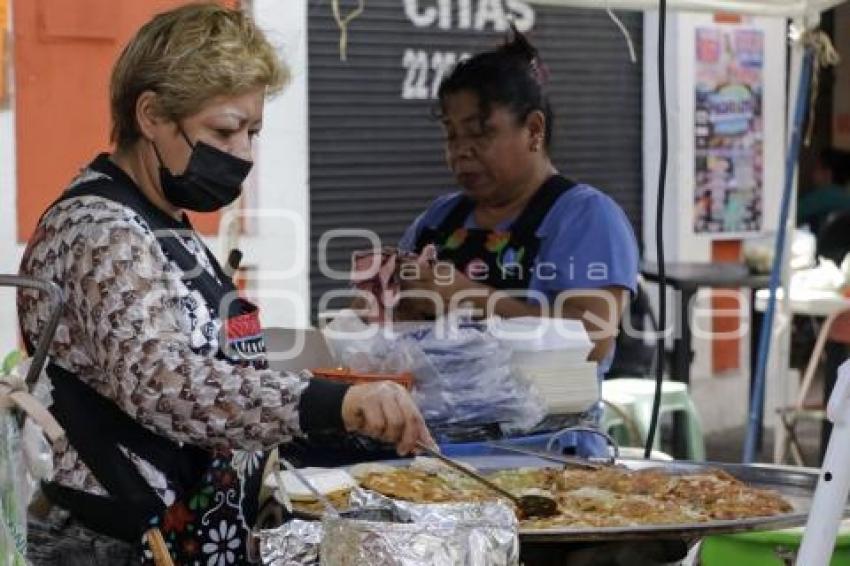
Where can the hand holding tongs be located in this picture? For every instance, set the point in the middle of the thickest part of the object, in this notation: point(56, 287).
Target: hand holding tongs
point(529, 505)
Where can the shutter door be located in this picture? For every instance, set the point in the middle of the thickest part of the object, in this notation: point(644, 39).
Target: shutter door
point(376, 154)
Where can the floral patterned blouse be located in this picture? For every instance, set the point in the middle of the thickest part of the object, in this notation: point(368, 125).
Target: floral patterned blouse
point(134, 331)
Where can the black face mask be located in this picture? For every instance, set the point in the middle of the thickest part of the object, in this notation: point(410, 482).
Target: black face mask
point(212, 179)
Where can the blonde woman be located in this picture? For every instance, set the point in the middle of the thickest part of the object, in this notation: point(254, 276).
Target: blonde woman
point(157, 368)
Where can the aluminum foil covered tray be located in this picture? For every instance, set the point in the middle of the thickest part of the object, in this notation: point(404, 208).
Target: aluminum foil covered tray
point(383, 532)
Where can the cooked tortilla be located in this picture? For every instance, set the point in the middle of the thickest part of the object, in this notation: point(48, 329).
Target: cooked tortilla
point(608, 497)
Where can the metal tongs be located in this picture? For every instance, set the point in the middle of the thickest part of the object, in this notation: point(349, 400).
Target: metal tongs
point(329, 507)
point(364, 513)
point(55, 299)
point(528, 505)
point(567, 461)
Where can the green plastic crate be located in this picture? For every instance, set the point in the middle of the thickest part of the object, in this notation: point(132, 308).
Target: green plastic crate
point(768, 548)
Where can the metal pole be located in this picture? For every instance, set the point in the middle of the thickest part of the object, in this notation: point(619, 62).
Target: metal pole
point(791, 158)
point(54, 296)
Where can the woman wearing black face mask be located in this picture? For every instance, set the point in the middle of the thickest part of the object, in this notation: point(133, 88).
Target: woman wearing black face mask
point(158, 375)
point(212, 179)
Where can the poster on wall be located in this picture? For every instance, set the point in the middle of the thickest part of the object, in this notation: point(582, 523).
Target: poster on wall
point(728, 131)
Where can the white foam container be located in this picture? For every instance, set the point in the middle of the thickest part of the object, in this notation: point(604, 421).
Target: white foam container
point(545, 343)
point(552, 354)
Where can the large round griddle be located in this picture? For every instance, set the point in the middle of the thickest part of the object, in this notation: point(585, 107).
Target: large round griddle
point(796, 485)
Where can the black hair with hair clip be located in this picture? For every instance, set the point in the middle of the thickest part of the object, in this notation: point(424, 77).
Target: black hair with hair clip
point(512, 75)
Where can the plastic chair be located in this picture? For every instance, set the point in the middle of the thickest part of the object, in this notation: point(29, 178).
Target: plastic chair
point(833, 242)
point(618, 421)
point(628, 391)
point(674, 399)
point(836, 328)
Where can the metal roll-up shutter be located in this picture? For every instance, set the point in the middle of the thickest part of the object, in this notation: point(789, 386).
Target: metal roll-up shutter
point(376, 153)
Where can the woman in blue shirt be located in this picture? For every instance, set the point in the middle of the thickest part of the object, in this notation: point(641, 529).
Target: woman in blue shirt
point(519, 239)
point(558, 247)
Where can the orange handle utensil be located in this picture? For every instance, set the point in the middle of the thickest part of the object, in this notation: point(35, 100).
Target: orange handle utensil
point(346, 375)
point(161, 556)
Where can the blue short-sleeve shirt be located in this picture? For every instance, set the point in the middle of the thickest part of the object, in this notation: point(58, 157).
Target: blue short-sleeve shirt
point(586, 241)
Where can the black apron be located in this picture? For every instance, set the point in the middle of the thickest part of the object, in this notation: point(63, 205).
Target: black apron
point(502, 259)
point(209, 516)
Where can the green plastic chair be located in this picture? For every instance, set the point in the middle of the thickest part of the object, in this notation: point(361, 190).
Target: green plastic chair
point(618, 420)
point(674, 399)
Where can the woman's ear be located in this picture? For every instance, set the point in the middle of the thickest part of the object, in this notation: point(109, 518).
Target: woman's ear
point(536, 124)
point(147, 115)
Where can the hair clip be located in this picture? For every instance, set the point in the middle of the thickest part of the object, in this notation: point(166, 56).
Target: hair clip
point(539, 71)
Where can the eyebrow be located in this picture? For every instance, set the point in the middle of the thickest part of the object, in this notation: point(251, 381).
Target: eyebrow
point(232, 113)
point(239, 116)
point(471, 119)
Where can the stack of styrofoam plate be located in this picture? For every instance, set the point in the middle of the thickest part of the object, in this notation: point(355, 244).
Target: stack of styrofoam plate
point(566, 389)
point(552, 353)
point(543, 342)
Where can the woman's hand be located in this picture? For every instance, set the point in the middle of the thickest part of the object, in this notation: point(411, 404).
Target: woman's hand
point(432, 289)
point(385, 411)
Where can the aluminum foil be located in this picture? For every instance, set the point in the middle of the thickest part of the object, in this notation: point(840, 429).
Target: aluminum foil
point(493, 512)
point(295, 543)
point(472, 534)
point(383, 532)
point(360, 498)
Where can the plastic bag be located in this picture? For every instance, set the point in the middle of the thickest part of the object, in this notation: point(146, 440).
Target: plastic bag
point(38, 454)
point(26, 457)
point(463, 373)
point(15, 488)
point(371, 348)
point(759, 251)
point(825, 277)
point(13, 496)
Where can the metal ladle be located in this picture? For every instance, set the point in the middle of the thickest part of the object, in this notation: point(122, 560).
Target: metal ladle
point(528, 505)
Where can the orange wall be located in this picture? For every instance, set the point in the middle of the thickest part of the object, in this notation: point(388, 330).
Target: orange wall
point(725, 352)
point(64, 52)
